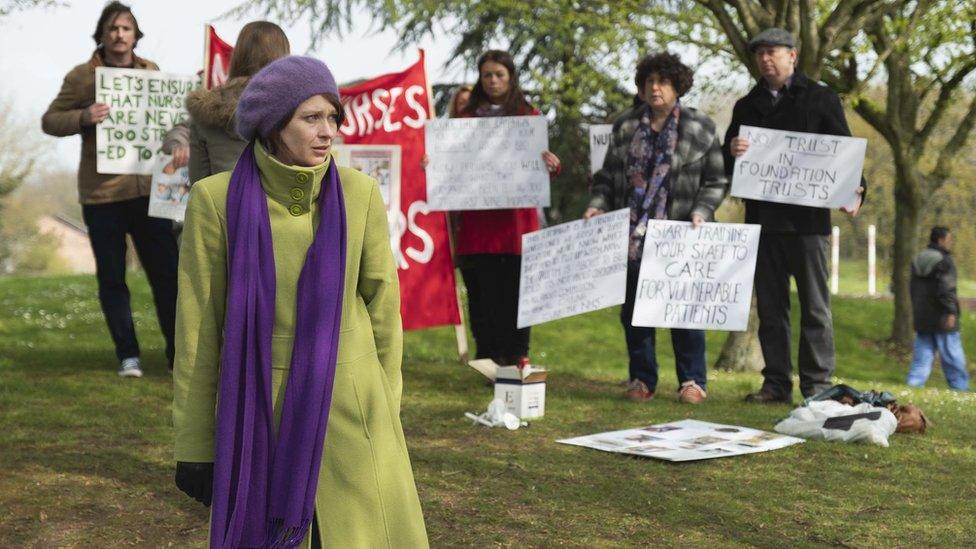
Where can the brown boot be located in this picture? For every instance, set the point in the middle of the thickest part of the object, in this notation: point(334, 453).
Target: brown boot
point(766, 396)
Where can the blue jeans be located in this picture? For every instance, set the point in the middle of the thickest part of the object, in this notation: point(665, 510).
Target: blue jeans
point(688, 345)
point(949, 347)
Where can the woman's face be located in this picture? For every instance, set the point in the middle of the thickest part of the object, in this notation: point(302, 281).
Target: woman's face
point(496, 81)
point(307, 138)
point(659, 92)
point(461, 100)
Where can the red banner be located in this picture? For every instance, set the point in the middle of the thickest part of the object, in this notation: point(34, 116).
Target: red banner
point(216, 59)
point(391, 110)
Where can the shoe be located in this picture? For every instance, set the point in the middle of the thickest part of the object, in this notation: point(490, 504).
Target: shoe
point(765, 396)
point(131, 367)
point(691, 393)
point(638, 391)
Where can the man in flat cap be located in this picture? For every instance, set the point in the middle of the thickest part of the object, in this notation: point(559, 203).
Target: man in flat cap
point(794, 238)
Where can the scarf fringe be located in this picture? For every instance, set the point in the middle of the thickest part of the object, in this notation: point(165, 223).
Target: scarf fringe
point(286, 537)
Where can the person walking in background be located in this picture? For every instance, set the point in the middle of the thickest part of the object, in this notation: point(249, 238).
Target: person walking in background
point(209, 142)
point(794, 238)
point(489, 242)
point(116, 205)
point(664, 162)
point(935, 309)
point(289, 328)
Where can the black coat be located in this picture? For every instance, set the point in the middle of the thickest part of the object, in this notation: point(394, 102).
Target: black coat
point(805, 106)
point(934, 290)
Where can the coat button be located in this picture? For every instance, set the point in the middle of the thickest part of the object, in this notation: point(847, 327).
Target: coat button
point(295, 210)
point(302, 177)
point(296, 194)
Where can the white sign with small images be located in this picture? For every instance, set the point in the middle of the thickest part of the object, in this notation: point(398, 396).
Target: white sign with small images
point(573, 268)
point(487, 163)
point(600, 135)
point(382, 163)
point(800, 168)
point(170, 190)
point(685, 440)
point(696, 278)
point(144, 105)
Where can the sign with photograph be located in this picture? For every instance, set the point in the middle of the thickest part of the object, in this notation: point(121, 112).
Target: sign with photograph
point(806, 169)
point(573, 268)
point(382, 163)
point(696, 278)
point(170, 190)
point(685, 440)
point(487, 163)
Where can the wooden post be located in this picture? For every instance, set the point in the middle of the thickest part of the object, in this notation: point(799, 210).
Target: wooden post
point(872, 262)
point(835, 260)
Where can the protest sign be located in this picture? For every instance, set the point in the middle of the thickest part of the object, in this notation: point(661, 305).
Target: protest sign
point(696, 278)
point(391, 110)
point(573, 268)
point(487, 163)
point(685, 440)
point(806, 169)
point(144, 106)
point(382, 163)
point(170, 189)
point(599, 145)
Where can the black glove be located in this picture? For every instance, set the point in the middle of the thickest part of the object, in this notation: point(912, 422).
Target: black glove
point(195, 480)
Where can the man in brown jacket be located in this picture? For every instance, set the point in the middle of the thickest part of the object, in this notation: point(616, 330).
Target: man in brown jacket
point(116, 205)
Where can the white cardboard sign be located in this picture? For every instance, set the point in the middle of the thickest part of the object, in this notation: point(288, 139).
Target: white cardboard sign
point(487, 163)
point(806, 169)
point(599, 145)
point(573, 268)
point(382, 163)
point(170, 190)
point(696, 278)
point(144, 106)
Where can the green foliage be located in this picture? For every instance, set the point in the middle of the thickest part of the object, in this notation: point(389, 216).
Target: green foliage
point(87, 457)
point(8, 7)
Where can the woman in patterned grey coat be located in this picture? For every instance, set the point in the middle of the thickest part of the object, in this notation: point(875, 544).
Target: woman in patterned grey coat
point(664, 162)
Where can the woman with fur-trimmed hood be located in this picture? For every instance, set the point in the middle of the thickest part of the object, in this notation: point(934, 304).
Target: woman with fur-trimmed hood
point(209, 140)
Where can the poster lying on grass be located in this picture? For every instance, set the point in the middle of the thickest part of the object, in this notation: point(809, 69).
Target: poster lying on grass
point(487, 163)
point(573, 268)
point(144, 105)
point(696, 278)
point(685, 440)
point(170, 190)
point(807, 169)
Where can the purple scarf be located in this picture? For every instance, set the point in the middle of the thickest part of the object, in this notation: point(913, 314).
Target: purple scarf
point(264, 485)
point(648, 164)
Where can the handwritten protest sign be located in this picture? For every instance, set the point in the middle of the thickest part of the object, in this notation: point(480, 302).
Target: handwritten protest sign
point(599, 145)
point(170, 189)
point(696, 278)
point(573, 268)
point(144, 106)
point(799, 168)
point(487, 163)
point(382, 163)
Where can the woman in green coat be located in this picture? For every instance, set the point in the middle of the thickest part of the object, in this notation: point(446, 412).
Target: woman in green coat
point(287, 376)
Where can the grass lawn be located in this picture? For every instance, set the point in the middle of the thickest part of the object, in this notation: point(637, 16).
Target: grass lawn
point(86, 456)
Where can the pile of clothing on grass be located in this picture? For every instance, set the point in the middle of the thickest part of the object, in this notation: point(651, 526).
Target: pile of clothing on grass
point(842, 413)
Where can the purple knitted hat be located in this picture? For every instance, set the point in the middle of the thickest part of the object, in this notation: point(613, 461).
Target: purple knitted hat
point(277, 90)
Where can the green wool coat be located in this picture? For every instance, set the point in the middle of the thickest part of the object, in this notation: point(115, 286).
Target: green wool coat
point(366, 493)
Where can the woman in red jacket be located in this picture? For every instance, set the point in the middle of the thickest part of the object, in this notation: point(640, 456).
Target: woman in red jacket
point(489, 242)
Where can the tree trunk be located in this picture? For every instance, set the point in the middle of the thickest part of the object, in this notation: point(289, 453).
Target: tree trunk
point(741, 351)
point(907, 213)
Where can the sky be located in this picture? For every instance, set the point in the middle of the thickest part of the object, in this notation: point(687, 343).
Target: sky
point(39, 46)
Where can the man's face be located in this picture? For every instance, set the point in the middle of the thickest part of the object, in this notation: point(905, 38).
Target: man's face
point(775, 62)
point(119, 35)
point(946, 241)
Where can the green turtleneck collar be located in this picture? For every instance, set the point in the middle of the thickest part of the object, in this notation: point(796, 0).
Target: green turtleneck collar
point(293, 186)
